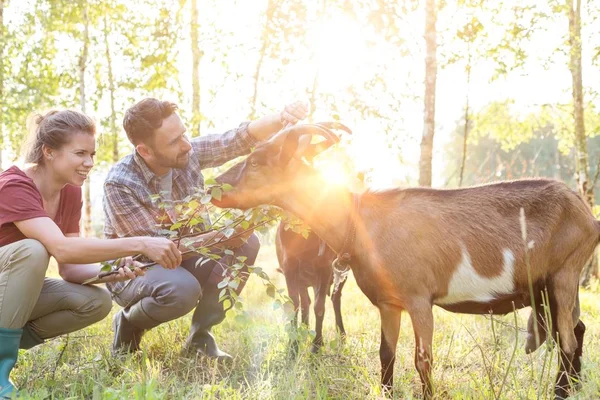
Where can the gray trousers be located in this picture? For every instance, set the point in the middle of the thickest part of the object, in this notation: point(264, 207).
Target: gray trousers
point(43, 307)
point(163, 295)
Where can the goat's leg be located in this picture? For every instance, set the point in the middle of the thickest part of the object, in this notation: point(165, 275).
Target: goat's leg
point(390, 328)
point(291, 280)
point(576, 366)
point(422, 320)
point(320, 297)
point(564, 295)
point(304, 304)
point(579, 334)
point(336, 299)
point(538, 318)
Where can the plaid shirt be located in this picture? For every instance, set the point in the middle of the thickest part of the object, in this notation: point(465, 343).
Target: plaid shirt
point(130, 201)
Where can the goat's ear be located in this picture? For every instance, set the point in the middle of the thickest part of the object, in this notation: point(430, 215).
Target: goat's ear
point(294, 143)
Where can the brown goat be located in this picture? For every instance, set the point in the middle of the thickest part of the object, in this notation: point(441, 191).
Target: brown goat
point(459, 249)
point(307, 263)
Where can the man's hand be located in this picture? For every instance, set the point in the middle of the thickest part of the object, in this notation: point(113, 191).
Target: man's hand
point(127, 269)
point(162, 251)
point(265, 127)
point(292, 113)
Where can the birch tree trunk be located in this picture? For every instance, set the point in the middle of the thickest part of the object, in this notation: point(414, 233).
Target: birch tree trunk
point(114, 133)
point(585, 186)
point(1, 80)
point(87, 204)
point(430, 81)
point(266, 33)
point(196, 56)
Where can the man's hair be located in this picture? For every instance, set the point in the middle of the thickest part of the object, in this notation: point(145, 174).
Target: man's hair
point(145, 117)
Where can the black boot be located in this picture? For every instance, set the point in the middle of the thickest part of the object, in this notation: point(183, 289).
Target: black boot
point(127, 336)
point(209, 312)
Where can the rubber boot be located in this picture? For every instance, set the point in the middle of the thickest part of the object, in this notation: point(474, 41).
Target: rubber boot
point(9, 351)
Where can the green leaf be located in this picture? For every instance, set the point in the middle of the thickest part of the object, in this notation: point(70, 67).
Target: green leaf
point(106, 267)
point(271, 291)
point(227, 187)
point(234, 284)
point(223, 283)
point(210, 181)
point(228, 252)
point(228, 232)
point(206, 199)
point(216, 193)
point(239, 305)
point(226, 304)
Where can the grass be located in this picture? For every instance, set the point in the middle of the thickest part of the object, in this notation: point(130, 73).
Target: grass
point(473, 357)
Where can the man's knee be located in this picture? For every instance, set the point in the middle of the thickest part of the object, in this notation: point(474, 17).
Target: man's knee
point(250, 249)
point(181, 297)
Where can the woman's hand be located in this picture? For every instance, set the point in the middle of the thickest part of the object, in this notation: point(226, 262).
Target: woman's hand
point(162, 251)
point(127, 269)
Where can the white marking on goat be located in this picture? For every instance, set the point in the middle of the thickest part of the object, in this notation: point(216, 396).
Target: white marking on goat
point(467, 285)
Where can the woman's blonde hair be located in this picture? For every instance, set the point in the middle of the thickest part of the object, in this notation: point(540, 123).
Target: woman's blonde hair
point(54, 129)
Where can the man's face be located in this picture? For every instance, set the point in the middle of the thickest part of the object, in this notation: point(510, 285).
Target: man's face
point(170, 147)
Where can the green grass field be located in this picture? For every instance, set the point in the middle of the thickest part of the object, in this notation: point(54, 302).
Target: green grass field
point(474, 358)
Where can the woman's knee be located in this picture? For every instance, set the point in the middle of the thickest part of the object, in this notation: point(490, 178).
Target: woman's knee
point(94, 304)
point(33, 255)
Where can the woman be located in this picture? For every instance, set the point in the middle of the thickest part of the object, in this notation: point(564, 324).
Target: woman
point(40, 209)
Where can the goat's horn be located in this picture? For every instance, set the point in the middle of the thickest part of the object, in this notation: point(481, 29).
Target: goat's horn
point(292, 138)
point(335, 125)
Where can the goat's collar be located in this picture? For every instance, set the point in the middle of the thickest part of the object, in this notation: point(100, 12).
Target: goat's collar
point(341, 265)
point(345, 254)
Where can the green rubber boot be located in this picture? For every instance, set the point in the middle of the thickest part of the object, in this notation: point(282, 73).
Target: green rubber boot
point(9, 350)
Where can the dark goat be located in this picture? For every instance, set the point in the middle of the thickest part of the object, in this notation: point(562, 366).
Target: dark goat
point(461, 249)
point(305, 263)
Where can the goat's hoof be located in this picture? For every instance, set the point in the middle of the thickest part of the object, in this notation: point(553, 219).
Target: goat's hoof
point(561, 393)
point(316, 347)
point(531, 344)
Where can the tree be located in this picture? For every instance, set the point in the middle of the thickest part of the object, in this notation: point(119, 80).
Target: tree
point(430, 84)
point(83, 60)
point(265, 39)
point(196, 57)
point(583, 179)
point(2, 56)
point(114, 133)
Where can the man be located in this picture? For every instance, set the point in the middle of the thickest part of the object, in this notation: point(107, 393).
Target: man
point(166, 163)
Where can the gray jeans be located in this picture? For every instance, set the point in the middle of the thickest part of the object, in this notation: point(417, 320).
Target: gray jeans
point(163, 295)
point(44, 307)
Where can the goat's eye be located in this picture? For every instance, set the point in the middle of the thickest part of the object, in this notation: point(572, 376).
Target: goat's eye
point(253, 163)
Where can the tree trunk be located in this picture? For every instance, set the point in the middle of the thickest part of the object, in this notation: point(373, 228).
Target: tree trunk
point(430, 80)
point(313, 92)
point(266, 32)
point(586, 188)
point(466, 133)
point(111, 89)
point(1, 80)
point(582, 165)
point(196, 56)
point(87, 204)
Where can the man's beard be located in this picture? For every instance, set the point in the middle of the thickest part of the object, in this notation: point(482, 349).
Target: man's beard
point(179, 162)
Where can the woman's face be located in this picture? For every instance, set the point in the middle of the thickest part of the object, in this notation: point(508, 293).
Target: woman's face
point(74, 160)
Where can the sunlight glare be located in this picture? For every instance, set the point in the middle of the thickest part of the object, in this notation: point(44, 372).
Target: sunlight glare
point(339, 48)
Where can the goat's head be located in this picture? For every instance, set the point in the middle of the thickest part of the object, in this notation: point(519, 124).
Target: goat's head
point(276, 165)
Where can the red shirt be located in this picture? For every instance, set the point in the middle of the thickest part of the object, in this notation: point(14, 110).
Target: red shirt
point(21, 200)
